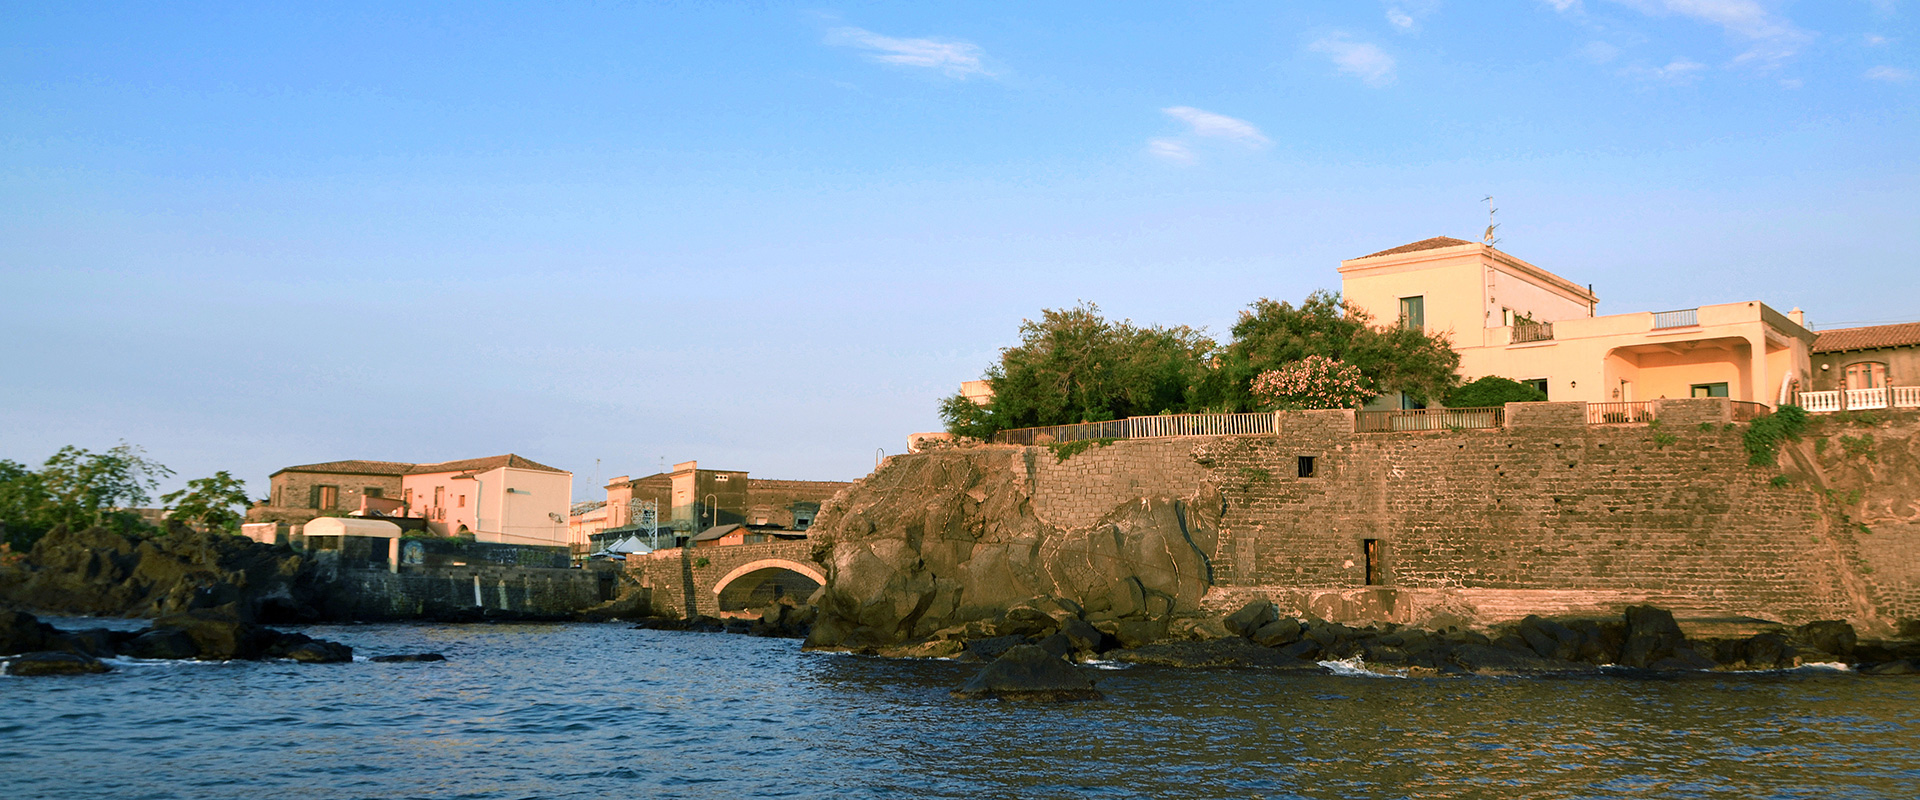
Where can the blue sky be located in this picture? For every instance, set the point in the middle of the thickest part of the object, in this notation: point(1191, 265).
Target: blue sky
point(772, 236)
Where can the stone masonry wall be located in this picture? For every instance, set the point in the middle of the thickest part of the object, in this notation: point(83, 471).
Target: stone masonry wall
point(370, 594)
point(1668, 511)
point(668, 573)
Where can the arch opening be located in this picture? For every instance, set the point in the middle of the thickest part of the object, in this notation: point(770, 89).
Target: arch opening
point(764, 582)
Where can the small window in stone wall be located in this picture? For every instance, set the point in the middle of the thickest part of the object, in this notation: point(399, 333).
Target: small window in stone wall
point(372, 491)
point(325, 497)
point(1306, 467)
point(1371, 548)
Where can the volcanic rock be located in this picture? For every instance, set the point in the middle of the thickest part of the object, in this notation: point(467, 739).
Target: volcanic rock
point(51, 663)
point(1029, 673)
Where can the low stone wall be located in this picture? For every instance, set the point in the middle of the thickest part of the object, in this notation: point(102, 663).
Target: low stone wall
point(366, 594)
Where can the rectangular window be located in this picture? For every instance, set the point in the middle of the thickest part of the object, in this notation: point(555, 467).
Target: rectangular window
point(406, 497)
point(325, 497)
point(463, 501)
point(439, 494)
point(1371, 547)
point(1413, 312)
point(1306, 466)
point(372, 491)
point(1540, 384)
point(1709, 390)
point(1506, 317)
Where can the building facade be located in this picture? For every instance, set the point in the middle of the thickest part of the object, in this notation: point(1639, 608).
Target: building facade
point(1861, 369)
point(1512, 319)
point(503, 499)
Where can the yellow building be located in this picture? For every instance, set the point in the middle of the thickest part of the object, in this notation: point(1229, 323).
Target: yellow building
point(1509, 318)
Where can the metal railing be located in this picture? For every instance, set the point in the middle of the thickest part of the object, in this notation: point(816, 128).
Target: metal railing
point(1676, 319)
point(1199, 425)
point(1748, 411)
point(1114, 429)
point(1428, 419)
point(1820, 402)
point(1619, 413)
point(1524, 332)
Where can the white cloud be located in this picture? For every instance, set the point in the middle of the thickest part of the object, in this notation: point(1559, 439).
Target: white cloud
point(1773, 39)
point(1791, 83)
point(1679, 70)
point(1889, 74)
point(1564, 6)
point(1876, 40)
point(1218, 126)
point(1399, 19)
point(1171, 150)
point(956, 59)
point(1599, 52)
point(1359, 59)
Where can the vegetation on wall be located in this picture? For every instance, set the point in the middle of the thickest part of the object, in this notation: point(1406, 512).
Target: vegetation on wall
point(1072, 365)
point(1765, 435)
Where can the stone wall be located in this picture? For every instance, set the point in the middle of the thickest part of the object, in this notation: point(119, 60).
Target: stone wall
point(367, 594)
point(1547, 515)
point(673, 574)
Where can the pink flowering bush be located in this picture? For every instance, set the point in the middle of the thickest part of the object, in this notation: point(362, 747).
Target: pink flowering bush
point(1313, 382)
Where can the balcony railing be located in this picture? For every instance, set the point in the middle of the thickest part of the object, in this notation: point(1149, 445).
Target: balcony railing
point(1199, 425)
point(1683, 318)
point(1619, 413)
point(1428, 419)
point(1524, 332)
point(1748, 411)
point(1829, 402)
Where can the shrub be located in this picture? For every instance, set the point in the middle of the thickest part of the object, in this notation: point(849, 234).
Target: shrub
point(1065, 450)
point(1765, 435)
point(1313, 382)
point(1492, 390)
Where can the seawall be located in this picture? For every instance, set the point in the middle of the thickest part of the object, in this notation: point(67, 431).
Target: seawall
point(1546, 515)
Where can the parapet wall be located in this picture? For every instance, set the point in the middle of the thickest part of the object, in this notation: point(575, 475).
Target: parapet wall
point(1670, 512)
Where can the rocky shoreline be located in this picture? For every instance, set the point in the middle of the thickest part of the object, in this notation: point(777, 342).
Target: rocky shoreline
point(29, 647)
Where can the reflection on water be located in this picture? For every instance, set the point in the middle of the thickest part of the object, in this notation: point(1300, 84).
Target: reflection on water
point(600, 710)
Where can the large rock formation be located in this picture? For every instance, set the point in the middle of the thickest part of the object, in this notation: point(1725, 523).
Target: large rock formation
point(99, 572)
point(946, 538)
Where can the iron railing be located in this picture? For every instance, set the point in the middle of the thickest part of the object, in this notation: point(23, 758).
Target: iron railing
point(1112, 429)
point(1683, 318)
point(1617, 413)
point(1199, 425)
point(1524, 332)
point(1428, 419)
point(1746, 411)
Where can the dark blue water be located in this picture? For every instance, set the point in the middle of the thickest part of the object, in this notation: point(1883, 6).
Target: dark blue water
point(546, 711)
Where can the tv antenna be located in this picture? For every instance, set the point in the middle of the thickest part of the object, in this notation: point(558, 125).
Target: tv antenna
point(1488, 238)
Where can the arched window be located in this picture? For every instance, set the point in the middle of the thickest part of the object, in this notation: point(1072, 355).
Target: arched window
point(1866, 375)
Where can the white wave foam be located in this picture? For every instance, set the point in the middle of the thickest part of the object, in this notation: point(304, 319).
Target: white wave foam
point(1101, 664)
point(1823, 666)
point(1355, 667)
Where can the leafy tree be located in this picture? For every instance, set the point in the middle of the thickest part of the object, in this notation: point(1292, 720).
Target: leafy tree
point(209, 502)
point(1313, 382)
point(1273, 334)
point(77, 488)
point(1075, 366)
point(1492, 390)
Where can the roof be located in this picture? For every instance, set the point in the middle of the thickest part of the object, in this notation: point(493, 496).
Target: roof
point(717, 531)
point(352, 467)
point(1434, 243)
point(1906, 334)
point(483, 464)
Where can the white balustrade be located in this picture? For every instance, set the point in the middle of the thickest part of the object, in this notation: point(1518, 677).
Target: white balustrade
point(1906, 397)
point(1862, 399)
point(1820, 402)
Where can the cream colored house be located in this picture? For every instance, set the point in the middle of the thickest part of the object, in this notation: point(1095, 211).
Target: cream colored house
point(505, 499)
point(1509, 318)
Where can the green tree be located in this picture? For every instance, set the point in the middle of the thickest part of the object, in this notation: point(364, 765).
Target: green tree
point(1073, 365)
point(209, 502)
point(1270, 335)
point(25, 509)
point(87, 488)
point(1492, 390)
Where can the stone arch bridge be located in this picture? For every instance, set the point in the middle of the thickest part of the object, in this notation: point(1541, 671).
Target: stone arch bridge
point(726, 579)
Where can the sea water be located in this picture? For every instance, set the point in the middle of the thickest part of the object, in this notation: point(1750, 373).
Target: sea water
point(586, 710)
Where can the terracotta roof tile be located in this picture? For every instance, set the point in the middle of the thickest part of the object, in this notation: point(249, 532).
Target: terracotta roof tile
point(1424, 244)
point(1905, 334)
point(352, 467)
point(483, 464)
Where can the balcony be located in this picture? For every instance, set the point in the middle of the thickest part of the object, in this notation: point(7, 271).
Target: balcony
point(1684, 318)
point(1860, 399)
point(1524, 332)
